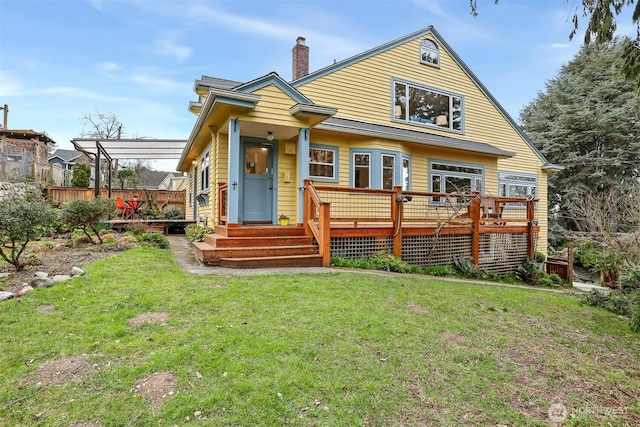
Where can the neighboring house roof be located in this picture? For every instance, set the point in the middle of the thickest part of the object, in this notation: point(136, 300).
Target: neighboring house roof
point(27, 134)
point(398, 134)
point(215, 82)
point(153, 179)
point(426, 31)
point(67, 156)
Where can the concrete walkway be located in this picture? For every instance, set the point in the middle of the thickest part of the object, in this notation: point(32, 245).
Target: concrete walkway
point(588, 287)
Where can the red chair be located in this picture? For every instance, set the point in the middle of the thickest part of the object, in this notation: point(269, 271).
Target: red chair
point(124, 210)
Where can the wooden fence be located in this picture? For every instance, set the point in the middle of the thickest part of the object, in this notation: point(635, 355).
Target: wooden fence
point(155, 199)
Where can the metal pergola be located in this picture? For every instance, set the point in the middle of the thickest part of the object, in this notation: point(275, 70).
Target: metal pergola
point(125, 149)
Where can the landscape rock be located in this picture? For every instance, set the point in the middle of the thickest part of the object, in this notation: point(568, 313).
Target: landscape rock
point(60, 278)
point(41, 282)
point(24, 290)
point(4, 295)
point(75, 271)
point(4, 275)
point(41, 274)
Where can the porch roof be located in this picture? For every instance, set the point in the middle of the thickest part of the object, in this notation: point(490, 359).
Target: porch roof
point(335, 124)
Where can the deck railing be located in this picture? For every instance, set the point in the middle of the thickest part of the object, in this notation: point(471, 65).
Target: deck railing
point(488, 229)
point(154, 199)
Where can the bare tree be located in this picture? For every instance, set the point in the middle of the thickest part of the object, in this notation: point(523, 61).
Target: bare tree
point(103, 126)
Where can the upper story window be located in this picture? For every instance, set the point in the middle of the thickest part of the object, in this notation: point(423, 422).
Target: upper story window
point(204, 172)
point(323, 162)
point(429, 53)
point(427, 106)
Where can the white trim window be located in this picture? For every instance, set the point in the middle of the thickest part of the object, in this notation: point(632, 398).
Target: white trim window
point(429, 53)
point(406, 173)
point(388, 171)
point(427, 106)
point(517, 184)
point(205, 172)
point(322, 163)
point(361, 170)
point(454, 177)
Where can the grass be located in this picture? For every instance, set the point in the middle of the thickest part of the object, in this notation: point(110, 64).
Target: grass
point(313, 349)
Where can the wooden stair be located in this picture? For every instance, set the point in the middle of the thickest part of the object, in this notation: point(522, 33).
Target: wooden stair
point(259, 246)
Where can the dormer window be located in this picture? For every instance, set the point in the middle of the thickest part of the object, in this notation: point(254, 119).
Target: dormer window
point(429, 53)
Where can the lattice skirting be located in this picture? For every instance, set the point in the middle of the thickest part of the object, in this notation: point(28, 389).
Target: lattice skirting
point(360, 247)
point(500, 253)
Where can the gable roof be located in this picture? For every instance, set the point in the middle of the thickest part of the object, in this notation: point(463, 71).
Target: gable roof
point(65, 155)
point(27, 134)
point(430, 30)
point(152, 179)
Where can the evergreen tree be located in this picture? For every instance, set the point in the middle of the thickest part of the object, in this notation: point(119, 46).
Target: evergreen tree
point(588, 120)
point(81, 175)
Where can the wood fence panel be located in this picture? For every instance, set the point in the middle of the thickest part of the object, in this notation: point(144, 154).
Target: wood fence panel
point(155, 199)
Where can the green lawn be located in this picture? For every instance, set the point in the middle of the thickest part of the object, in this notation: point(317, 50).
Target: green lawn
point(338, 349)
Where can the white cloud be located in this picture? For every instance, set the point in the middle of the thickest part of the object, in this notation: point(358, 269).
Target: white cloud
point(561, 45)
point(9, 86)
point(168, 46)
point(161, 83)
point(108, 67)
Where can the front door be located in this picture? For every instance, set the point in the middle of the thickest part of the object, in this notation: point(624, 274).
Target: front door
point(258, 183)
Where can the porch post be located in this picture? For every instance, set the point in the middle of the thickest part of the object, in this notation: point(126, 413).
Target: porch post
point(303, 168)
point(233, 168)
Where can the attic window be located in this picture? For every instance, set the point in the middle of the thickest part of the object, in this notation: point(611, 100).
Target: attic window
point(429, 53)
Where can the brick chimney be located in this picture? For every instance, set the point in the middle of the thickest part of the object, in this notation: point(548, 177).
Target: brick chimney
point(300, 59)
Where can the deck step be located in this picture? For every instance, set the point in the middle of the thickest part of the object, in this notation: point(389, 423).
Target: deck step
point(218, 241)
point(259, 231)
point(271, 262)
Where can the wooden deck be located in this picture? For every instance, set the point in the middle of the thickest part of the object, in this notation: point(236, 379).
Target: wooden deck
point(166, 226)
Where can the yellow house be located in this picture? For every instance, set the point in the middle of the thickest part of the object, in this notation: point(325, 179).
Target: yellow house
point(407, 118)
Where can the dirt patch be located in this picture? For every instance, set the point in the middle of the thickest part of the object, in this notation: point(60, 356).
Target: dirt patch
point(417, 309)
point(45, 309)
point(155, 317)
point(450, 336)
point(156, 387)
point(63, 370)
point(53, 256)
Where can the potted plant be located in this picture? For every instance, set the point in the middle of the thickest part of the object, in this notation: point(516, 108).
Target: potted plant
point(284, 220)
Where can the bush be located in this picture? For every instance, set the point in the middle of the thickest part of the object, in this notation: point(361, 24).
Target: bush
point(172, 212)
point(22, 222)
point(195, 232)
point(88, 215)
point(619, 303)
point(530, 272)
point(631, 279)
point(439, 270)
point(154, 240)
point(379, 261)
point(468, 269)
point(81, 175)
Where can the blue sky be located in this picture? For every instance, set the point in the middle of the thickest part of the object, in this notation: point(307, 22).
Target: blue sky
point(138, 59)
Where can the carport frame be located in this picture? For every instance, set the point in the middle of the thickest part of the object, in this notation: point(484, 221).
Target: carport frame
point(123, 149)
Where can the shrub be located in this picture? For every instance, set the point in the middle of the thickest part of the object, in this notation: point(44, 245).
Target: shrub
point(81, 175)
point(22, 222)
point(88, 215)
point(195, 232)
point(529, 272)
point(172, 212)
point(539, 257)
point(631, 279)
point(468, 269)
point(155, 240)
point(387, 262)
point(439, 270)
point(545, 281)
point(556, 279)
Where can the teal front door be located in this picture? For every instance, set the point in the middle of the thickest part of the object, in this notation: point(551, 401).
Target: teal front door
point(257, 186)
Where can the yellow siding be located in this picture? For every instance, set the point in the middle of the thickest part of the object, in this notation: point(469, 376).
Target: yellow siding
point(273, 108)
point(362, 91)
